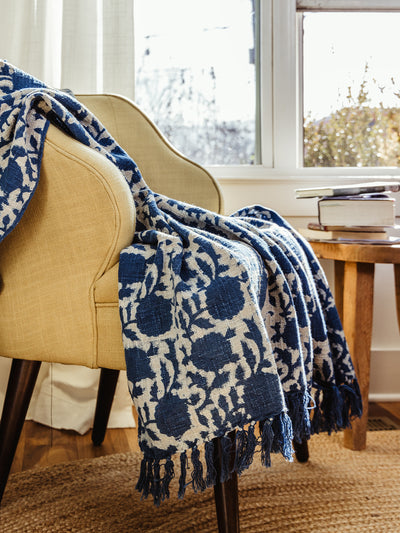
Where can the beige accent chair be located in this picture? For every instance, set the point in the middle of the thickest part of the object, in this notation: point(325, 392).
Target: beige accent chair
point(59, 267)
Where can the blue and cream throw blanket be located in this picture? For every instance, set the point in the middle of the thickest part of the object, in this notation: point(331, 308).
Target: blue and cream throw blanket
point(228, 321)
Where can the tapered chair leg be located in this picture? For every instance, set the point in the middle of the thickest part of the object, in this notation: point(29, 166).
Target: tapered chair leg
point(105, 395)
point(226, 494)
point(301, 451)
point(21, 383)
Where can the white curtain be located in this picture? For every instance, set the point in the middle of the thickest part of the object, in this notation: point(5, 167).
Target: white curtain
point(86, 46)
point(83, 45)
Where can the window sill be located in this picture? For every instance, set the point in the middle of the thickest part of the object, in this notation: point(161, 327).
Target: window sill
point(248, 185)
point(314, 175)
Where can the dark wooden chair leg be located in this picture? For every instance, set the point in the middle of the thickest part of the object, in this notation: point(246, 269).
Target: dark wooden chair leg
point(21, 383)
point(105, 396)
point(226, 494)
point(301, 451)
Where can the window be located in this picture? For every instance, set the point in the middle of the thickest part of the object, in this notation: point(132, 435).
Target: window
point(259, 126)
point(351, 89)
point(196, 76)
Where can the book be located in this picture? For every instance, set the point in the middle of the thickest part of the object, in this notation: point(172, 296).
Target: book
point(346, 234)
point(362, 229)
point(348, 190)
point(357, 211)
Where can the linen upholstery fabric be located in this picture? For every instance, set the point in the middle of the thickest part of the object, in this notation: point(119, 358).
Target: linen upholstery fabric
point(67, 242)
point(227, 321)
point(170, 173)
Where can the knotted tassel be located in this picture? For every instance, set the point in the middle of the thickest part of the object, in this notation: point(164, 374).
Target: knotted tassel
point(156, 486)
point(169, 474)
point(328, 415)
point(267, 437)
point(283, 436)
point(197, 473)
point(142, 476)
point(298, 405)
point(317, 416)
point(211, 476)
point(245, 444)
point(352, 403)
point(182, 478)
point(335, 406)
point(146, 477)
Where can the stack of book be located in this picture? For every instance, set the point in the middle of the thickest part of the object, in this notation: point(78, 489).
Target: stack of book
point(362, 212)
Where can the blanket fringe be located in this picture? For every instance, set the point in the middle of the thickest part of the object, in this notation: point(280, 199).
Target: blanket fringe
point(151, 482)
point(245, 446)
point(211, 477)
point(182, 479)
point(333, 408)
point(298, 406)
point(198, 482)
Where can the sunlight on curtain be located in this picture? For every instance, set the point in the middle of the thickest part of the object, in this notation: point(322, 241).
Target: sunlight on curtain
point(29, 36)
point(85, 46)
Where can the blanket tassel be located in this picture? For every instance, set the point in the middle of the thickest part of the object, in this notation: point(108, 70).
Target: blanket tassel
point(335, 407)
point(182, 478)
point(197, 473)
point(298, 405)
point(150, 480)
point(267, 437)
point(245, 446)
point(211, 477)
point(352, 404)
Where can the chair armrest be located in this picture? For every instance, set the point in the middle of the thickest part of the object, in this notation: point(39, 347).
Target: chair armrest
point(79, 219)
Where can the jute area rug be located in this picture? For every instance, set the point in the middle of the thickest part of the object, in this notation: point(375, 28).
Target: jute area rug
point(336, 491)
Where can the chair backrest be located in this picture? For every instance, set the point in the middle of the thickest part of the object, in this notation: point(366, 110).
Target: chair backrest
point(164, 169)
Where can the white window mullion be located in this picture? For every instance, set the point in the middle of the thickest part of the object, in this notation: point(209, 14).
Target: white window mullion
point(300, 88)
point(265, 82)
point(286, 112)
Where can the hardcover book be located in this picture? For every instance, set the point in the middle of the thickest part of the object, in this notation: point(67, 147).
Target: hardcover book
point(345, 234)
point(349, 190)
point(357, 211)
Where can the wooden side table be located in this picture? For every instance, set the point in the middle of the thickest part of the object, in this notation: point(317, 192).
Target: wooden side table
point(354, 287)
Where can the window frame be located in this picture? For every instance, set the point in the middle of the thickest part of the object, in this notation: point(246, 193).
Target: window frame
point(280, 101)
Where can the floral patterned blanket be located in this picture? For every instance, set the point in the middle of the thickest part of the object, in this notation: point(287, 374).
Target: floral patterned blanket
point(228, 321)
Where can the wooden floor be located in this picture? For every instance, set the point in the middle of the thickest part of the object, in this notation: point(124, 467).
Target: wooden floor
point(41, 446)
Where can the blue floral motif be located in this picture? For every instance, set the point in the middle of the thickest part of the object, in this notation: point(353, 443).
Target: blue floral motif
point(172, 416)
point(224, 298)
point(212, 360)
point(154, 315)
point(226, 320)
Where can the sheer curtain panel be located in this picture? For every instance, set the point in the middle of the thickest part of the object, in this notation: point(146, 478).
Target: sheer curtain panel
point(84, 45)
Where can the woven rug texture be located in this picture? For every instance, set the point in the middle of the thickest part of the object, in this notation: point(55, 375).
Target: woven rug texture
point(337, 490)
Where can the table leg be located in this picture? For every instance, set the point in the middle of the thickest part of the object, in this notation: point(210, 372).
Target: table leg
point(397, 287)
point(356, 314)
point(339, 280)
